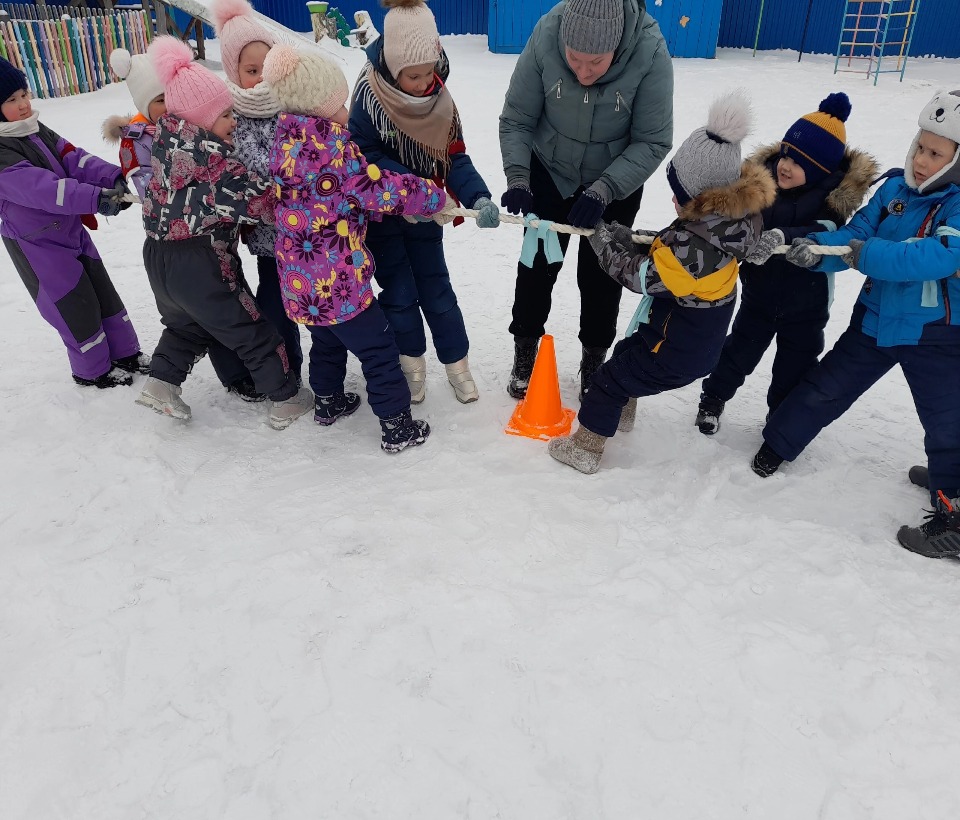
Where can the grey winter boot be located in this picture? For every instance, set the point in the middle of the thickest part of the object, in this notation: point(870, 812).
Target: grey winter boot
point(708, 414)
point(524, 357)
point(284, 413)
point(164, 398)
point(919, 475)
point(628, 416)
point(939, 536)
point(415, 372)
point(582, 450)
point(460, 378)
point(590, 363)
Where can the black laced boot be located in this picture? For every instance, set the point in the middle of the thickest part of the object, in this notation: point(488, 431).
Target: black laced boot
point(524, 356)
point(766, 462)
point(245, 389)
point(590, 363)
point(137, 363)
point(112, 378)
point(708, 414)
point(327, 409)
point(402, 431)
point(939, 536)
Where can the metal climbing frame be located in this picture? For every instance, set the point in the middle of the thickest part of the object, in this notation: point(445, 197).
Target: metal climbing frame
point(877, 30)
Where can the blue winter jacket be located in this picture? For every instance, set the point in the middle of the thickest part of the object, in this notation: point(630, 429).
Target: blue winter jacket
point(463, 179)
point(911, 295)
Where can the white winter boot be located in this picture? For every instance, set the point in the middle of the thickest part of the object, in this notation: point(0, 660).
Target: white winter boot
point(164, 398)
point(458, 374)
point(415, 372)
point(286, 412)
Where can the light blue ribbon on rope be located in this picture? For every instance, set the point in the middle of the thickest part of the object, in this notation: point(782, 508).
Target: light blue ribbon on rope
point(641, 316)
point(532, 237)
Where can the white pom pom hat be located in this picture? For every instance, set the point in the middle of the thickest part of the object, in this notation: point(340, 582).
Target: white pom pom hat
point(142, 81)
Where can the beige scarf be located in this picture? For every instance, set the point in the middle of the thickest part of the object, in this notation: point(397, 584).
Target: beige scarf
point(420, 127)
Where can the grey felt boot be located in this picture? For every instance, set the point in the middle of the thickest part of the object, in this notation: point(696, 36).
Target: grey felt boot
point(582, 450)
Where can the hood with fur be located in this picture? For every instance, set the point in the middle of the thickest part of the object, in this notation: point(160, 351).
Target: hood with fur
point(754, 191)
point(113, 127)
point(860, 170)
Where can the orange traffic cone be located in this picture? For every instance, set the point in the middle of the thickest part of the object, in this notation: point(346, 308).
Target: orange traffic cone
point(540, 414)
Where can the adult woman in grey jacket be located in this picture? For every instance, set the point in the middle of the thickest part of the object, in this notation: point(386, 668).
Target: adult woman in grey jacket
point(587, 119)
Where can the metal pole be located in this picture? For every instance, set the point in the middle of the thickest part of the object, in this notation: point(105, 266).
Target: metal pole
point(756, 39)
point(806, 23)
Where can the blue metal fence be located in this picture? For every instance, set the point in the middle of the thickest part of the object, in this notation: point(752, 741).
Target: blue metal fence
point(453, 16)
point(782, 26)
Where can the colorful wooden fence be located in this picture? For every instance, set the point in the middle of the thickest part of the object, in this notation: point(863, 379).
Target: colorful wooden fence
point(68, 52)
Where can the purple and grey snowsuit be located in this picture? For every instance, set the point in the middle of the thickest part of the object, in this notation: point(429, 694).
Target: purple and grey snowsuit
point(46, 186)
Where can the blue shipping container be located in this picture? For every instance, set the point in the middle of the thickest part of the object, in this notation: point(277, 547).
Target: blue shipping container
point(453, 16)
point(782, 26)
point(690, 27)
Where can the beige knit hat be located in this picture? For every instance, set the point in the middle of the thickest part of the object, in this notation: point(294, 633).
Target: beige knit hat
point(305, 83)
point(410, 35)
point(236, 28)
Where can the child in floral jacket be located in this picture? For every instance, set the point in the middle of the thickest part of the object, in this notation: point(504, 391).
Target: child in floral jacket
point(197, 200)
point(326, 190)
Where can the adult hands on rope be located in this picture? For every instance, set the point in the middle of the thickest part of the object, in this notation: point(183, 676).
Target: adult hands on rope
point(588, 209)
point(518, 198)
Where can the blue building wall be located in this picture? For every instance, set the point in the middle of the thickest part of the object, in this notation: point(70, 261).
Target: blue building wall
point(936, 32)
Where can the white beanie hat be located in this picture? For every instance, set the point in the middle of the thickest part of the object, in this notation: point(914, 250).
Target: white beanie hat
point(142, 81)
point(305, 83)
point(940, 116)
point(410, 35)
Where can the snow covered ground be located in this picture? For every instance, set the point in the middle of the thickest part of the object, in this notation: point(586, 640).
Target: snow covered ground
point(216, 620)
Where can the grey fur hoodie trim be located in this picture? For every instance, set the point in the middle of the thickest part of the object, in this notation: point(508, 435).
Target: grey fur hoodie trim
point(113, 127)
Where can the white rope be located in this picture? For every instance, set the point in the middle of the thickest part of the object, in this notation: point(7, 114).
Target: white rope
point(640, 239)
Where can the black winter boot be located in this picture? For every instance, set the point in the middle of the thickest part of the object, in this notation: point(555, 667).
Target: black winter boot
point(245, 389)
point(766, 462)
point(939, 537)
point(327, 409)
point(112, 378)
point(137, 363)
point(920, 476)
point(708, 414)
point(402, 431)
point(524, 356)
point(590, 362)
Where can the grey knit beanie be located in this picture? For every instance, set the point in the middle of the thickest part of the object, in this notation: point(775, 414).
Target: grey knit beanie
point(592, 26)
point(710, 157)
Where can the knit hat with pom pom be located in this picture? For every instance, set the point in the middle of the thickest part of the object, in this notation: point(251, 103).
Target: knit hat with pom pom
point(710, 157)
point(236, 28)
point(410, 35)
point(142, 81)
point(193, 93)
point(817, 141)
point(305, 83)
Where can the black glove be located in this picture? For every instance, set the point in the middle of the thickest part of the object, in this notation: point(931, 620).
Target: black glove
point(120, 191)
point(108, 204)
point(800, 253)
point(852, 259)
point(518, 198)
point(588, 210)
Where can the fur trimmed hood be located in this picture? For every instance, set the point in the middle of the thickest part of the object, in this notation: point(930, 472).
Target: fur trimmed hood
point(113, 127)
point(860, 171)
point(754, 191)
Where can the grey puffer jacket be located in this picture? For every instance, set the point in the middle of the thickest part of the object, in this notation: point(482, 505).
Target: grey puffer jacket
point(253, 142)
point(618, 130)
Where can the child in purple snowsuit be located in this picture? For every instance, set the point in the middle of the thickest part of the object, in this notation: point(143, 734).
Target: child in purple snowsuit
point(48, 191)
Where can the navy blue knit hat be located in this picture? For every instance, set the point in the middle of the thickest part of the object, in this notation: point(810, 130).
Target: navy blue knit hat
point(12, 80)
point(817, 141)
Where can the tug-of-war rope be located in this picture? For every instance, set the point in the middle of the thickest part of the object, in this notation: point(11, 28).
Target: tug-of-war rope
point(639, 238)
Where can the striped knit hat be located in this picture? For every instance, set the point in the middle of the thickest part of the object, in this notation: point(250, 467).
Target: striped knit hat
point(817, 141)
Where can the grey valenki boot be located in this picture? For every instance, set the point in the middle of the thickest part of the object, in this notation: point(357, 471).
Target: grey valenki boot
point(628, 416)
point(582, 450)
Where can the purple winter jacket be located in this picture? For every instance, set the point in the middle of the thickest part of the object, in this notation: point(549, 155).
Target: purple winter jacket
point(46, 186)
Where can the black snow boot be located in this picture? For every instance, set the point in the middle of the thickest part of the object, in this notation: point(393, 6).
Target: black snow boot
point(920, 476)
point(137, 363)
point(939, 536)
point(524, 356)
point(245, 389)
point(327, 409)
point(708, 414)
point(402, 431)
point(766, 462)
point(112, 378)
point(590, 363)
